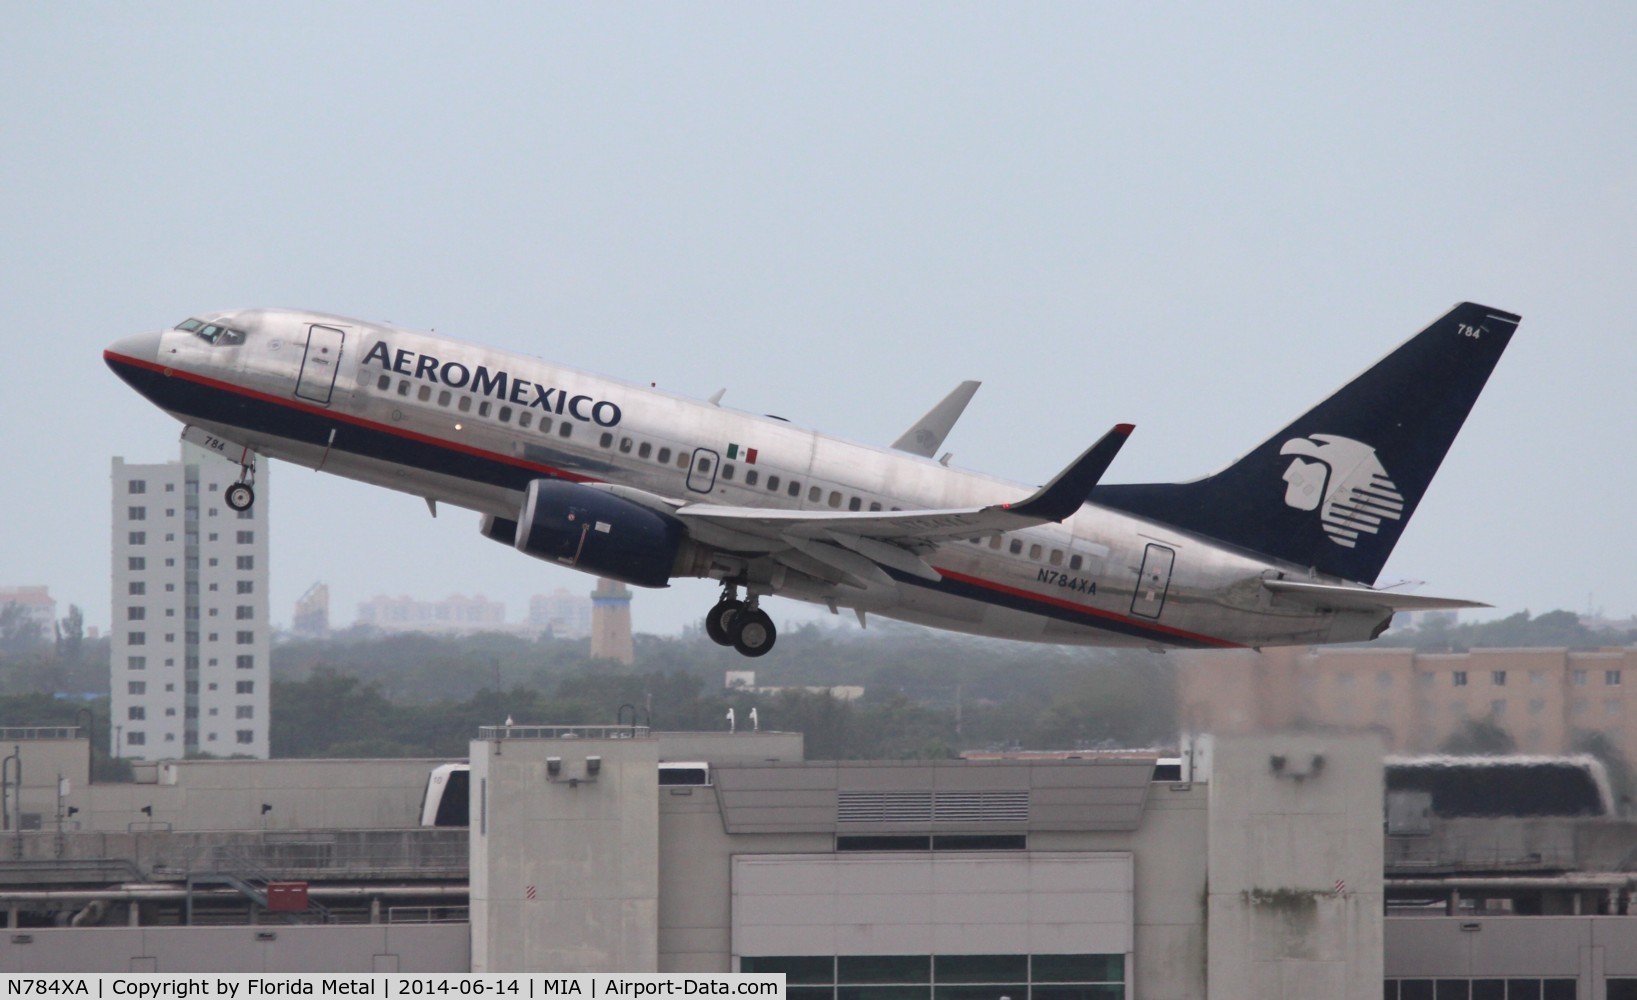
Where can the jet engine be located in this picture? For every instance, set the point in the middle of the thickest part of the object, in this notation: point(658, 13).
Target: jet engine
point(593, 531)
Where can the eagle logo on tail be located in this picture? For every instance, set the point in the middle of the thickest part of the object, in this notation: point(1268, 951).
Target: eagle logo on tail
point(1345, 482)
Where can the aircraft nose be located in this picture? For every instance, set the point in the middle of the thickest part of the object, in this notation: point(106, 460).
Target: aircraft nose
point(136, 347)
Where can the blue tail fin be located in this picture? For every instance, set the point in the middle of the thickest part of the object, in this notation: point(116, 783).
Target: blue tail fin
point(1335, 489)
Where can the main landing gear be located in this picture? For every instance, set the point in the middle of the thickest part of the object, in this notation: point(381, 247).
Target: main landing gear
point(242, 494)
point(740, 624)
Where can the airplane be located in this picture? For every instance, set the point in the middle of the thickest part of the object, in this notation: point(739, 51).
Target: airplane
point(1281, 547)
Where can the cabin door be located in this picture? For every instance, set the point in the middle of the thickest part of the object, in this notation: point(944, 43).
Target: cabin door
point(1153, 581)
point(319, 364)
point(702, 472)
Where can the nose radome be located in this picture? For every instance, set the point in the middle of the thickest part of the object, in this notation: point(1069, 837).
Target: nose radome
point(136, 347)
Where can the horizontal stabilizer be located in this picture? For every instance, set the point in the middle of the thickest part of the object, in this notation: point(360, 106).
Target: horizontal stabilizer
point(1327, 595)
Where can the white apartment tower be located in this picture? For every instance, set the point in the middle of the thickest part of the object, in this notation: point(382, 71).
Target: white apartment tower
point(191, 636)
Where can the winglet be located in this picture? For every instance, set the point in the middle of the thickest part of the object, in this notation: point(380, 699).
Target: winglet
point(1070, 488)
point(929, 432)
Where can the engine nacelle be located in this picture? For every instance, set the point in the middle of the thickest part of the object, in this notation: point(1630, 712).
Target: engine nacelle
point(593, 531)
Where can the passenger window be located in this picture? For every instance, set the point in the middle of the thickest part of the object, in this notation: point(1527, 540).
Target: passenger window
point(682, 460)
point(1016, 548)
point(644, 450)
point(565, 429)
point(854, 503)
point(525, 418)
point(727, 471)
point(773, 484)
point(443, 398)
point(483, 408)
point(545, 425)
point(1074, 562)
point(465, 404)
point(814, 494)
point(424, 394)
point(994, 543)
point(606, 440)
point(704, 464)
point(384, 383)
point(751, 477)
point(835, 499)
point(505, 414)
point(664, 456)
point(625, 446)
point(874, 505)
point(403, 387)
point(1057, 557)
point(795, 488)
point(1035, 552)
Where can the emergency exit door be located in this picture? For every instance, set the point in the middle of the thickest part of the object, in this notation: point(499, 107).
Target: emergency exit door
point(1152, 581)
point(319, 364)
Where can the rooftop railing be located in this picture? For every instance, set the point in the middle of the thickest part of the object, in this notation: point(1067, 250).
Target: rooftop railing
point(39, 733)
point(561, 732)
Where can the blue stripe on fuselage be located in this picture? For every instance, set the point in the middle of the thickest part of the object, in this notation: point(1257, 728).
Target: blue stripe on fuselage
point(223, 403)
point(1085, 619)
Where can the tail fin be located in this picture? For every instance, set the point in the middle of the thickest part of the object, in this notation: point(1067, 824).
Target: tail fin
point(1335, 489)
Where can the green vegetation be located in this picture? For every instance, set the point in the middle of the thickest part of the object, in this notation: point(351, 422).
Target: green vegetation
point(63, 660)
point(1439, 633)
point(925, 695)
point(1479, 737)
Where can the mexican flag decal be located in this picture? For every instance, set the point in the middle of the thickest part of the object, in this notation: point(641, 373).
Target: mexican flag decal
point(748, 454)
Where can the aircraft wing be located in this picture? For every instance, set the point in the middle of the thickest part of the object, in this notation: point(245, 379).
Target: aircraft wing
point(1053, 502)
point(851, 546)
point(929, 432)
point(1328, 595)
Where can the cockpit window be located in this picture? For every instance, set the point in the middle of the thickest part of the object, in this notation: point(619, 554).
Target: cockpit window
point(212, 333)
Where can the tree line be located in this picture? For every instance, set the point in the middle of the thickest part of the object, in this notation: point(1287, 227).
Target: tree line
point(923, 696)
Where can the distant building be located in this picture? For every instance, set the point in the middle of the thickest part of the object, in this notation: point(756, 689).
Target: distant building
point(190, 632)
point(1545, 698)
point(745, 680)
point(1599, 623)
point(312, 617)
point(453, 615)
point(562, 613)
point(611, 622)
point(35, 604)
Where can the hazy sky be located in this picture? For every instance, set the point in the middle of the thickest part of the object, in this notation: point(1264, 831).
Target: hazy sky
point(1197, 218)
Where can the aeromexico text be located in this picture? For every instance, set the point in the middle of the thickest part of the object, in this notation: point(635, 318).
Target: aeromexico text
point(498, 384)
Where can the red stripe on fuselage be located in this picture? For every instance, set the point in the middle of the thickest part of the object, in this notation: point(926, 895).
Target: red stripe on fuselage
point(345, 418)
point(1084, 610)
point(331, 414)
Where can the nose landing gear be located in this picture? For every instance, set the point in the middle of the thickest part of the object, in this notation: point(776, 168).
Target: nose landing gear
point(740, 624)
point(240, 495)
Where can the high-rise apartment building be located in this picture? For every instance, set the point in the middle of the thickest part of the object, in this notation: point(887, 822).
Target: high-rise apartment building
point(190, 629)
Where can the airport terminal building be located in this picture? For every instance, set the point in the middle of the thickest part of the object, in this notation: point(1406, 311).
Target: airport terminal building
point(1260, 870)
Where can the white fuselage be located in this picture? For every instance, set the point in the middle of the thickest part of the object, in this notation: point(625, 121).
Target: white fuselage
point(471, 426)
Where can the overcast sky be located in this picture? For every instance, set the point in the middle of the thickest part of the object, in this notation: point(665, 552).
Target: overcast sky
point(1197, 218)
